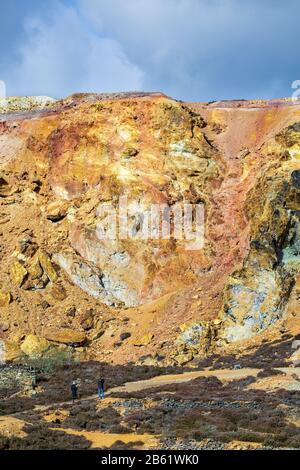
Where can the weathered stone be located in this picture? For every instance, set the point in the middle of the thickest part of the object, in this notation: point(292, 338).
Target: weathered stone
point(35, 269)
point(248, 181)
point(19, 273)
point(45, 304)
point(191, 335)
point(9, 351)
point(145, 340)
point(296, 344)
point(56, 211)
point(5, 298)
point(71, 312)
point(86, 319)
point(47, 266)
point(4, 326)
point(149, 361)
point(35, 346)
point(295, 358)
point(65, 336)
point(27, 247)
point(130, 152)
point(97, 332)
point(183, 359)
point(124, 336)
point(58, 292)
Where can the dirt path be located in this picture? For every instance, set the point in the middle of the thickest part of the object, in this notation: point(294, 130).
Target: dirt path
point(13, 425)
point(158, 381)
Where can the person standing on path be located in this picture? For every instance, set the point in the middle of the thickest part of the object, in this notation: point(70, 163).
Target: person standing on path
point(101, 388)
point(74, 390)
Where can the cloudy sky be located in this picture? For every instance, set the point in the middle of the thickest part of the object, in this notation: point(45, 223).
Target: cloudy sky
point(197, 50)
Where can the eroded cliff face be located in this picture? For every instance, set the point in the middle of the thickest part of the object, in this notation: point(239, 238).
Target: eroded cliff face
point(64, 285)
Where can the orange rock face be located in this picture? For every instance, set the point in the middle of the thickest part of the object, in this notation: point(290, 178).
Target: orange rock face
point(66, 167)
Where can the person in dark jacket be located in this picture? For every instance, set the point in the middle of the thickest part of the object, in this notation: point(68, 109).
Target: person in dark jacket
point(101, 388)
point(34, 385)
point(74, 390)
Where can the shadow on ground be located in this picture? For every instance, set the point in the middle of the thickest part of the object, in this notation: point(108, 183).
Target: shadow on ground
point(201, 410)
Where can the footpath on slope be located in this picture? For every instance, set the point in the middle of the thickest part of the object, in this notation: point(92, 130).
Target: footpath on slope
point(161, 380)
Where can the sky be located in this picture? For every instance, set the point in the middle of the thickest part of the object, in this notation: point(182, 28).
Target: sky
point(192, 50)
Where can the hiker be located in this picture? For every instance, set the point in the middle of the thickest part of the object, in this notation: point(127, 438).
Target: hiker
point(34, 385)
point(101, 388)
point(74, 390)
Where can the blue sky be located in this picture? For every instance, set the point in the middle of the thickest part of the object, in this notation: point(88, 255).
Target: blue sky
point(197, 50)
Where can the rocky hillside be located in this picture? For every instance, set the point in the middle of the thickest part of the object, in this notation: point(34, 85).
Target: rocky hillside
point(157, 301)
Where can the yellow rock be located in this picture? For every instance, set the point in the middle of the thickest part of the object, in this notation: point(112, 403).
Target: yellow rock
point(34, 345)
point(47, 266)
point(9, 351)
point(183, 326)
point(19, 273)
point(35, 269)
point(58, 293)
point(5, 298)
point(64, 335)
point(182, 359)
point(145, 340)
point(56, 210)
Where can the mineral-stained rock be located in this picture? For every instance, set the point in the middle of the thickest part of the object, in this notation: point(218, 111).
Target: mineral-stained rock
point(86, 319)
point(35, 270)
point(65, 336)
point(191, 335)
point(19, 273)
point(35, 346)
point(5, 298)
point(98, 331)
point(56, 211)
point(71, 312)
point(63, 173)
point(9, 351)
point(47, 266)
point(58, 292)
point(145, 340)
point(256, 296)
point(182, 359)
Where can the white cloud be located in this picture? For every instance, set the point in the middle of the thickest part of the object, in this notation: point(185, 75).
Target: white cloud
point(63, 55)
point(189, 49)
point(205, 49)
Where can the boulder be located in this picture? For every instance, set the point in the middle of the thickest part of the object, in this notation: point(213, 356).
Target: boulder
point(65, 336)
point(34, 346)
point(9, 351)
